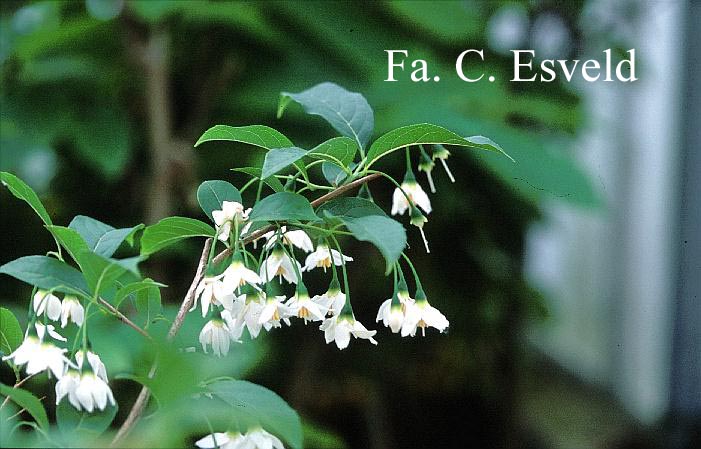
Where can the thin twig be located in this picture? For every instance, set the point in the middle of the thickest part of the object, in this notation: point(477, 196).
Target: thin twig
point(17, 385)
point(123, 318)
point(142, 400)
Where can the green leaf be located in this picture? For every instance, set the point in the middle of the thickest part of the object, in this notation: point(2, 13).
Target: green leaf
point(172, 230)
point(10, 332)
point(27, 401)
point(485, 143)
point(347, 112)
point(148, 303)
point(211, 195)
point(422, 134)
point(258, 135)
point(134, 287)
point(350, 207)
point(110, 241)
point(21, 190)
point(47, 273)
point(338, 149)
point(283, 206)
point(101, 272)
point(69, 239)
point(333, 174)
point(253, 405)
point(101, 238)
point(280, 158)
point(386, 234)
point(81, 424)
point(256, 172)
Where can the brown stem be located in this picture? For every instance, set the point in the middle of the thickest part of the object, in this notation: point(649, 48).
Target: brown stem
point(124, 319)
point(17, 385)
point(142, 400)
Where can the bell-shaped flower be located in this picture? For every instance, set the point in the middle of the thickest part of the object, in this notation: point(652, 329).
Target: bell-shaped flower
point(246, 312)
point(278, 263)
point(38, 356)
point(421, 314)
point(323, 257)
point(418, 219)
point(216, 333)
point(231, 213)
point(426, 165)
point(260, 439)
point(67, 385)
point(212, 291)
point(45, 301)
point(274, 311)
point(339, 329)
point(440, 153)
point(303, 307)
point(391, 313)
point(91, 393)
point(333, 300)
point(72, 309)
point(222, 440)
point(237, 275)
point(94, 361)
point(410, 194)
point(298, 238)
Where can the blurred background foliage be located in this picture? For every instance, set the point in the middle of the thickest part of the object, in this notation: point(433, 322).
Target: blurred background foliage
point(102, 101)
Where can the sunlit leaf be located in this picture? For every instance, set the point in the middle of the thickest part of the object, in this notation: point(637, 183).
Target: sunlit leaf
point(10, 332)
point(258, 135)
point(172, 230)
point(280, 158)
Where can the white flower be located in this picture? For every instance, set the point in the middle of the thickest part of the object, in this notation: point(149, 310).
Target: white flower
point(42, 330)
point(418, 219)
point(237, 275)
point(427, 165)
point(274, 311)
point(91, 392)
point(38, 356)
point(323, 256)
point(221, 440)
point(302, 307)
point(260, 439)
point(340, 328)
point(216, 333)
point(67, 385)
point(95, 363)
point(72, 309)
point(47, 302)
point(278, 263)
point(391, 313)
point(298, 238)
point(231, 212)
point(422, 315)
point(211, 290)
point(416, 195)
point(332, 301)
point(245, 313)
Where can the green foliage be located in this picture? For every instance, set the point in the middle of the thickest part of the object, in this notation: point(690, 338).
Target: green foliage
point(47, 273)
point(10, 332)
point(350, 207)
point(283, 206)
point(81, 425)
point(70, 239)
point(101, 238)
point(257, 135)
point(135, 288)
point(256, 172)
point(278, 159)
point(386, 234)
point(21, 190)
point(172, 230)
point(27, 401)
point(338, 150)
point(148, 302)
point(102, 272)
point(211, 195)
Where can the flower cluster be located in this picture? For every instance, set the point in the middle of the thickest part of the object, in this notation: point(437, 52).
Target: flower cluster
point(253, 439)
point(242, 294)
point(84, 379)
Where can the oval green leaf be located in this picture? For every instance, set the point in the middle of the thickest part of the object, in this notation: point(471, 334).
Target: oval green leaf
point(211, 195)
point(386, 234)
point(283, 206)
point(47, 273)
point(257, 135)
point(172, 230)
point(337, 150)
point(27, 401)
point(280, 158)
point(81, 425)
point(10, 332)
point(21, 190)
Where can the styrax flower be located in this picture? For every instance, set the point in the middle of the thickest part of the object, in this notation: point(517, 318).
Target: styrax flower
point(333, 300)
point(237, 275)
point(418, 219)
point(298, 238)
point(440, 153)
point(45, 301)
point(339, 328)
point(67, 385)
point(246, 312)
point(260, 439)
point(303, 307)
point(231, 212)
point(38, 355)
point(413, 195)
point(323, 257)
point(95, 363)
point(211, 290)
point(391, 313)
point(42, 330)
point(427, 165)
point(278, 263)
point(221, 440)
point(85, 390)
point(274, 311)
point(71, 309)
point(216, 333)
point(422, 315)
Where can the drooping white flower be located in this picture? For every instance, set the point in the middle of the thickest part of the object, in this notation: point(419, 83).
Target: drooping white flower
point(323, 257)
point(91, 393)
point(45, 301)
point(72, 309)
point(298, 238)
point(49, 329)
point(221, 440)
point(211, 290)
point(260, 439)
point(414, 192)
point(95, 363)
point(237, 275)
point(246, 312)
point(418, 219)
point(391, 313)
point(230, 213)
point(442, 154)
point(278, 263)
point(38, 356)
point(67, 385)
point(303, 307)
point(426, 165)
point(421, 314)
point(216, 333)
point(340, 328)
point(273, 312)
point(333, 300)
